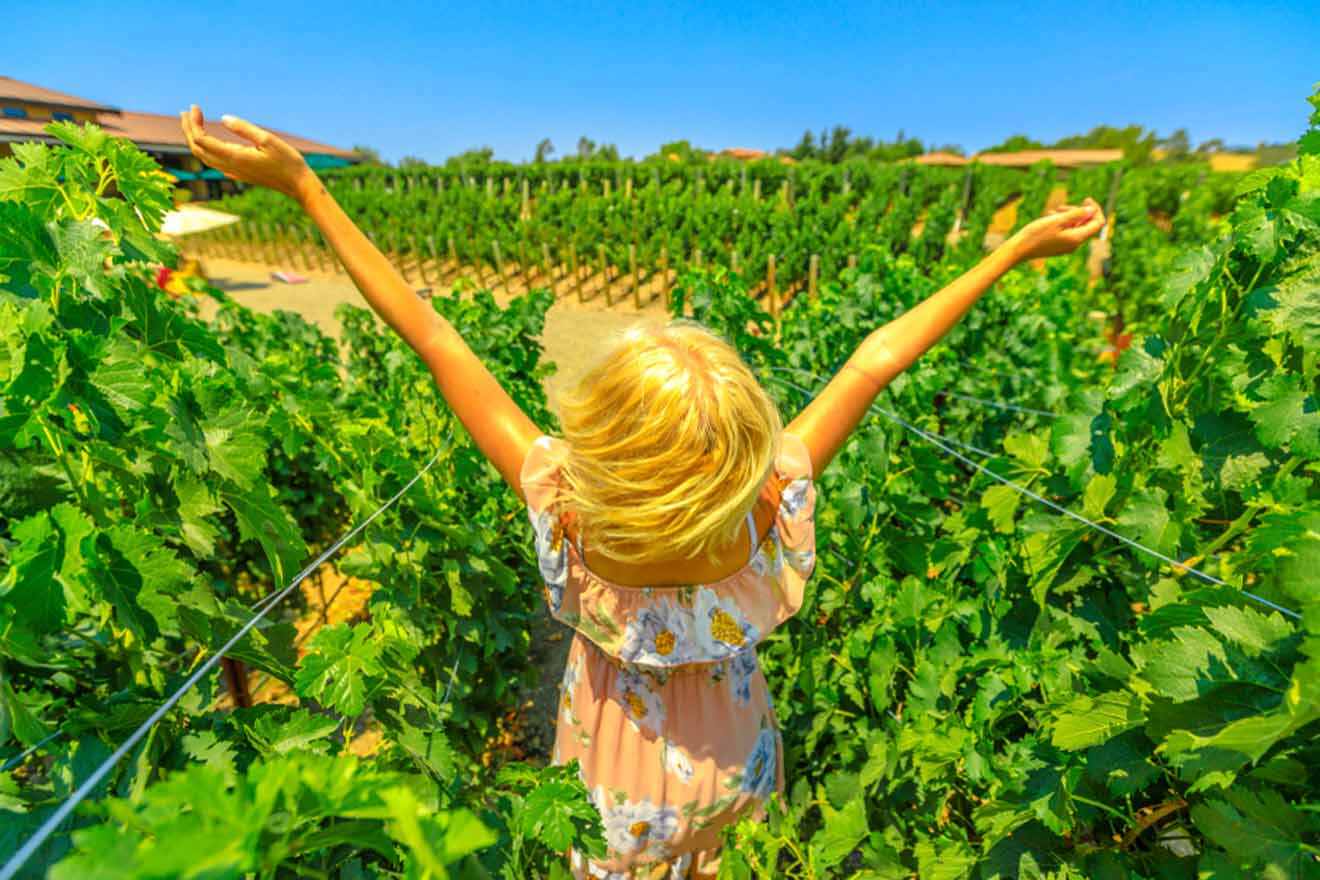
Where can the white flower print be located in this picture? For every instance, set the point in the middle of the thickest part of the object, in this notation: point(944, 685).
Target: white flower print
point(742, 666)
point(658, 635)
point(759, 772)
point(769, 558)
point(641, 704)
point(632, 826)
point(794, 496)
point(721, 628)
point(679, 867)
point(552, 557)
point(801, 560)
point(568, 687)
point(677, 763)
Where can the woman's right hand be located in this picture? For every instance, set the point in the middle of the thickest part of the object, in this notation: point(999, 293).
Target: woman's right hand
point(1059, 232)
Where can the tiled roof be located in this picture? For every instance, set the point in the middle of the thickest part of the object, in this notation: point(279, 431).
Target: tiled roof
point(12, 88)
point(1061, 158)
point(156, 131)
point(940, 159)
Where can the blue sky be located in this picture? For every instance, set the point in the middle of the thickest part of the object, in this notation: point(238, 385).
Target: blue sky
point(430, 80)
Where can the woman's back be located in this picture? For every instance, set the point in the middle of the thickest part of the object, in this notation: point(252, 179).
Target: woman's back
point(663, 702)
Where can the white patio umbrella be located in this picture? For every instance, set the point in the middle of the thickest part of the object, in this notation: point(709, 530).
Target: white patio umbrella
point(191, 218)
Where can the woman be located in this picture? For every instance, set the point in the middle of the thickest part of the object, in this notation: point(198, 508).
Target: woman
point(699, 504)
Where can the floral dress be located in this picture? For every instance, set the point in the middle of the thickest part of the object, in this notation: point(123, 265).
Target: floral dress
point(663, 701)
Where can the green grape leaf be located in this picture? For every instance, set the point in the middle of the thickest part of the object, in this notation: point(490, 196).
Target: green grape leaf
point(1090, 721)
point(843, 832)
point(340, 664)
point(1259, 829)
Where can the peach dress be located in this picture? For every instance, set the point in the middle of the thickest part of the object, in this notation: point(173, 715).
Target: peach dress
point(663, 701)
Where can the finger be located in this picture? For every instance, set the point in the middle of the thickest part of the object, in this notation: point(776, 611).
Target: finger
point(223, 149)
point(243, 128)
point(1076, 216)
point(1085, 231)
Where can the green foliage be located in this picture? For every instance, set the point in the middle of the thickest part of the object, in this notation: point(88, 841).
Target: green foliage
point(150, 462)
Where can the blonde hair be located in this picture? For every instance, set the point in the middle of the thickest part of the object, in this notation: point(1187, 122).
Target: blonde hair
point(670, 439)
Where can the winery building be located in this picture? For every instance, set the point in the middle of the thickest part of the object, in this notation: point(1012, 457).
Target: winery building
point(26, 109)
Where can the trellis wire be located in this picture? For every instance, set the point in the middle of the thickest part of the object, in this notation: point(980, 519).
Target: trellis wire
point(1022, 490)
point(10, 868)
point(1012, 407)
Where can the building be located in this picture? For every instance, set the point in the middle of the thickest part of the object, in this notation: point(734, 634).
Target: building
point(25, 111)
point(1026, 158)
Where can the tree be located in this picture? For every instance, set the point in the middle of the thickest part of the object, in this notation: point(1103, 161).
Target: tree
point(682, 149)
point(543, 150)
point(474, 156)
point(956, 149)
point(412, 162)
point(1214, 145)
point(1135, 141)
point(1014, 144)
point(368, 155)
point(585, 147)
point(806, 148)
point(1176, 145)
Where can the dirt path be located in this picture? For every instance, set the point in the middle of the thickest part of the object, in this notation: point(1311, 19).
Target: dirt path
point(576, 334)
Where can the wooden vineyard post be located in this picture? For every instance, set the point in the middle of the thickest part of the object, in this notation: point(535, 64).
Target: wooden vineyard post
point(664, 275)
point(260, 243)
point(605, 269)
point(490, 187)
point(397, 256)
point(308, 245)
point(506, 183)
point(499, 259)
point(772, 294)
point(435, 260)
point(756, 189)
point(421, 260)
point(813, 276)
point(329, 259)
point(852, 261)
point(632, 267)
point(547, 268)
point(605, 184)
point(523, 269)
point(279, 244)
point(734, 262)
point(962, 207)
point(291, 252)
point(255, 254)
point(453, 254)
point(573, 270)
point(525, 210)
point(298, 258)
point(628, 188)
point(696, 258)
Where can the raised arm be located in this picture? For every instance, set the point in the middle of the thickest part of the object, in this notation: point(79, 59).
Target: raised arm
point(833, 414)
point(500, 428)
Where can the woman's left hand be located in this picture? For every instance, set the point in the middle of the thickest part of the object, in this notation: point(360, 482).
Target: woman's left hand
point(269, 162)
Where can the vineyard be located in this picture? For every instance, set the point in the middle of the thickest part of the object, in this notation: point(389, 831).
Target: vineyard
point(783, 230)
point(1062, 624)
